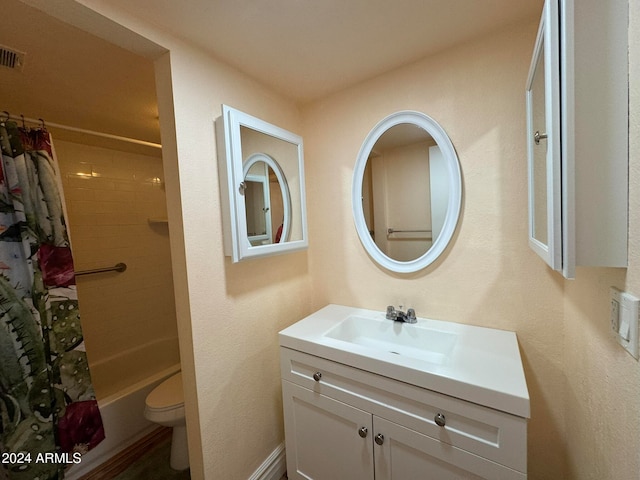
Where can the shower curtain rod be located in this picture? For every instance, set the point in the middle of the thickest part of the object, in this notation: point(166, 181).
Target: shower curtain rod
point(81, 130)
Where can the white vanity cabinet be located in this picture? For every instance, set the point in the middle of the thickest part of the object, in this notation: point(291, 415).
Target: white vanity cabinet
point(344, 423)
point(577, 135)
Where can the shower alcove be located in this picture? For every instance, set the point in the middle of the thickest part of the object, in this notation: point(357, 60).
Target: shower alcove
point(113, 192)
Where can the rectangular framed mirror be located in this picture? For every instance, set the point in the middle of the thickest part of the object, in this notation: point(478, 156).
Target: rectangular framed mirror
point(261, 186)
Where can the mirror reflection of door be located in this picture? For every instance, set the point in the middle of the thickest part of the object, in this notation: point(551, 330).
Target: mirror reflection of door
point(439, 183)
point(276, 207)
point(257, 206)
point(405, 192)
point(264, 205)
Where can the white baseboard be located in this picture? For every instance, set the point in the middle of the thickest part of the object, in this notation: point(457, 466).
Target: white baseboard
point(274, 467)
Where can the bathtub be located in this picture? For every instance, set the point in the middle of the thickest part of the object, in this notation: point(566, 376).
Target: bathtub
point(124, 422)
point(115, 374)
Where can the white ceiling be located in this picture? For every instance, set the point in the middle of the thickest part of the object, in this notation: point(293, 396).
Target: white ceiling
point(309, 48)
point(303, 48)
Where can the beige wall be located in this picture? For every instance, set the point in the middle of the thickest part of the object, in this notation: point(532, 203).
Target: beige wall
point(128, 319)
point(228, 315)
point(488, 276)
point(234, 310)
point(603, 380)
point(583, 387)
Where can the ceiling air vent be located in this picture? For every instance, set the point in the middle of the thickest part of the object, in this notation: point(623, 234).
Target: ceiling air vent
point(11, 58)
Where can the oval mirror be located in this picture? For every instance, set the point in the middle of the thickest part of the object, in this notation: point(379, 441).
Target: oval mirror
point(267, 201)
point(406, 192)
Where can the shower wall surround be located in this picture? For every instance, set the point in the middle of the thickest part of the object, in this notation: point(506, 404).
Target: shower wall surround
point(129, 318)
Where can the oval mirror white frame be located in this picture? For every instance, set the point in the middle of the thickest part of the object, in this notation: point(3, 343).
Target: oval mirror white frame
point(284, 189)
point(453, 204)
point(231, 161)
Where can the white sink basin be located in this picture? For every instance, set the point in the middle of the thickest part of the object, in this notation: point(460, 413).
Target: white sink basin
point(416, 341)
point(481, 365)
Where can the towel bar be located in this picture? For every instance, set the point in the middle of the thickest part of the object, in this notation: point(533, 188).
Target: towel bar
point(119, 267)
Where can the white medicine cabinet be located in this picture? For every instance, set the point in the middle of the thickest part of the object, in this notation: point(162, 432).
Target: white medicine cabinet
point(262, 191)
point(577, 135)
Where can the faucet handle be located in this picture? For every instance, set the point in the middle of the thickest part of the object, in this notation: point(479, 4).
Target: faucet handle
point(391, 313)
point(411, 316)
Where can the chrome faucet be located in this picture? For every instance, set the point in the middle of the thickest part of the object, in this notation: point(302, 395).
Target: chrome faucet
point(400, 316)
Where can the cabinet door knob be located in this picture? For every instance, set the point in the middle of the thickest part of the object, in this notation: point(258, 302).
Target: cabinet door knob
point(539, 136)
point(317, 376)
point(440, 420)
point(379, 439)
point(363, 431)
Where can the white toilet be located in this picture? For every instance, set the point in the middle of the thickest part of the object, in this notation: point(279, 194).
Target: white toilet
point(165, 406)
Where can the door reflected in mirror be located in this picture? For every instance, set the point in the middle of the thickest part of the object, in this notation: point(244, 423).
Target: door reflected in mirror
point(257, 208)
point(405, 192)
point(265, 198)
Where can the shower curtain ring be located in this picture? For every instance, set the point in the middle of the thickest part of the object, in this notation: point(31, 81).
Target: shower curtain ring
point(7, 115)
point(23, 124)
point(44, 127)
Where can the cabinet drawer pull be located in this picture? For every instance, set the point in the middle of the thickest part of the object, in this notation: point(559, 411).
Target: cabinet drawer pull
point(440, 420)
point(363, 431)
point(379, 439)
point(317, 376)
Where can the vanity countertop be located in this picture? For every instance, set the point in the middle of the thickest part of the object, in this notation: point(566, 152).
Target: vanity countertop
point(477, 364)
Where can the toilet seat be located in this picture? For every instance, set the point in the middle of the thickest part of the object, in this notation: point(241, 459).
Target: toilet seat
point(165, 403)
point(168, 395)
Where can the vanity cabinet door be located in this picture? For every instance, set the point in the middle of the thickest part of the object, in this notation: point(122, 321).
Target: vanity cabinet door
point(325, 439)
point(404, 454)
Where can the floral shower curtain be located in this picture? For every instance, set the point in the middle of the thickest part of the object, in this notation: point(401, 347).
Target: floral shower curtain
point(48, 413)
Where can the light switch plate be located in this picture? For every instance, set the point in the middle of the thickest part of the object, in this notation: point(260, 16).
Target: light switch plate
point(615, 309)
point(624, 320)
